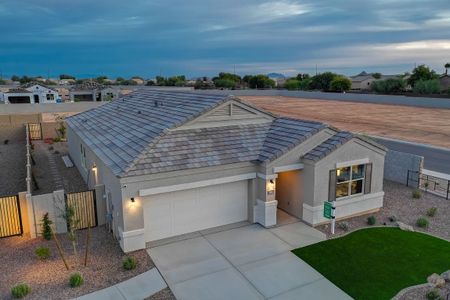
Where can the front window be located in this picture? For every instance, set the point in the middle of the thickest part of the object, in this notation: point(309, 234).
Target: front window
point(349, 181)
point(50, 97)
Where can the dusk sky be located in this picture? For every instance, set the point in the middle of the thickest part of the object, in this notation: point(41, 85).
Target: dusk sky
point(135, 37)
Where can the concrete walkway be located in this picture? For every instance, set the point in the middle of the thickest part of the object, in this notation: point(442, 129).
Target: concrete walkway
point(248, 262)
point(136, 288)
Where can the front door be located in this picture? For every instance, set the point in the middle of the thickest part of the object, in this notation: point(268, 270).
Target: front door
point(36, 98)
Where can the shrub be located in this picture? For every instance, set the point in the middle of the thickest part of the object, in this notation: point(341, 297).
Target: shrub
point(433, 294)
point(432, 212)
point(388, 86)
point(416, 194)
point(76, 279)
point(46, 228)
point(129, 263)
point(42, 252)
point(422, 222)
point(371, 220)
point(56, 140)
point(20, 290)
point(344, 226)
point(426, 87)
point(340, 84)
point(393, 218)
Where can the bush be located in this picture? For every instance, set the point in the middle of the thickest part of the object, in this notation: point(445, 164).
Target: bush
point(416, 194)
point(427, 87)
point(292, 84)
point(371, 220)
point(129, 263)
point(433, 294)
point(76, 279)
point(56, 140)
point(46, 228)
point(422, 222)
point(388, 86)
point(344, 226)
point(20, 290)
point(432, 212)
point(42, 252)
point(340, 84)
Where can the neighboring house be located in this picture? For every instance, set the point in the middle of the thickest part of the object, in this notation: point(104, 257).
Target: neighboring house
point(362, 82)
point(444, 82)
point(179, 162)
point(92, 91)
point(67, 81)
point(138, 80)
point(32, 93)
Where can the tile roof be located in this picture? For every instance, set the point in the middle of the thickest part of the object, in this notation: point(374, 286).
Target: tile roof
point(334, 143)
point(285, 134)
point(18, 90)
point(137, 135)
point(120, 130)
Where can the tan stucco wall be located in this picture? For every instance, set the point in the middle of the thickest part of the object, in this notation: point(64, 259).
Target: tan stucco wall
point(289, 192)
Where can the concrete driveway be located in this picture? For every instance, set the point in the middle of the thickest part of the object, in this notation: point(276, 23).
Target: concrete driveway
point(248, 262)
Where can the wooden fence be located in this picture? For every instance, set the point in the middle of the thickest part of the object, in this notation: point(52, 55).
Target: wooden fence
point(84, 207)
point(10, 216)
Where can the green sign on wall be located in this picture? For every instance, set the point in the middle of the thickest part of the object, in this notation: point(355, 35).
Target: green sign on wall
point(327, 208)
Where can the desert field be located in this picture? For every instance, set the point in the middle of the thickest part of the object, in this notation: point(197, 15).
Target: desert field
point(422, 125)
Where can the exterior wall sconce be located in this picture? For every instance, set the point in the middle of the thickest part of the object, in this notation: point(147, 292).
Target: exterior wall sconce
point(271, 187)
point(132, 200)
point(94, 168)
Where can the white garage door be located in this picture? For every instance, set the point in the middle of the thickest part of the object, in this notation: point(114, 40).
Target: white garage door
point(175, 213)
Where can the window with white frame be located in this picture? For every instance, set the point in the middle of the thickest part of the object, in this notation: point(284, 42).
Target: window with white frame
point(50, 97)
point(350, 180)
point(83, 156)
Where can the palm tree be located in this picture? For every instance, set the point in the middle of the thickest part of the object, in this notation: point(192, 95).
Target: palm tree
point(447, 66)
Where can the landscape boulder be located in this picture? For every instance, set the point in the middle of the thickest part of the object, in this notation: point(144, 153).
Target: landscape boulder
point(446, 275)
point(435, 280)
point(404, 226)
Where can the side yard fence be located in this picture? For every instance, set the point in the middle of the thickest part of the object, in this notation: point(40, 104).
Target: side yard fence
point(402, 167)
point(432, 182)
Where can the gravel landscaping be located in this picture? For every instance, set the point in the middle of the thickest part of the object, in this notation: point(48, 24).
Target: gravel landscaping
point(165, 294)
point(419, 293)
point(48, 179)
point(398, 202)
point(12, 159)
point(49, 279)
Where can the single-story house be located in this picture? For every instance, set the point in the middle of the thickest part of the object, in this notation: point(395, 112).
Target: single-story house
point(178, 162)
point(92, 91)
point(444, 82)
point(32, 93)
point(362, 82)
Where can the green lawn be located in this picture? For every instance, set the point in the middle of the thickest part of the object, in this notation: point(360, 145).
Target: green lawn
point(377, 263)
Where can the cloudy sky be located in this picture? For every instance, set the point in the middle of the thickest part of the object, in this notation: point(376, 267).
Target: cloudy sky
point(193, 37)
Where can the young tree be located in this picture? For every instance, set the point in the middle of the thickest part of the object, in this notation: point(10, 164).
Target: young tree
point(46, 227)
point(72, 224)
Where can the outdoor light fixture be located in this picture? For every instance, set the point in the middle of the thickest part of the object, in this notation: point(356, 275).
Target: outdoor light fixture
point(94, 168)
point(271, 187)
point(132, 199)
point(338, 172)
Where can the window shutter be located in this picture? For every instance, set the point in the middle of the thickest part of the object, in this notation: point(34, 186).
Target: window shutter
point(368, 179)
point(332, 186)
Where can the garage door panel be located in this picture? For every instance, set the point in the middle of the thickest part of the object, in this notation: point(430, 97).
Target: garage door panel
point(181, 212)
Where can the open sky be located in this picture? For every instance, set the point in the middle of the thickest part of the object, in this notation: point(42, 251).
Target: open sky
point(194, 37)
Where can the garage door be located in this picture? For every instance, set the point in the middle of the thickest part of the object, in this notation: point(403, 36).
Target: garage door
point(175, 213)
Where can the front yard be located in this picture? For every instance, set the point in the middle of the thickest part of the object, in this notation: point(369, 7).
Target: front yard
point(377, 263)
point(49, 279)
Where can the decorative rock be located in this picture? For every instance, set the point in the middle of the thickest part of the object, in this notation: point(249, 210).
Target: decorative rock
point(404, 226)
point(435, 280)
point(446, 275)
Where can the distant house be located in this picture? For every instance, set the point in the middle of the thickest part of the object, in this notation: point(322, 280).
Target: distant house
point(92, 91)
point(32, 93)
point(68, 81)
point(444, 82)
point(138, 80)
point(279, 79)
point(362, 81)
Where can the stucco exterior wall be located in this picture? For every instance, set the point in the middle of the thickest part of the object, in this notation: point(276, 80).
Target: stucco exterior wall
point(397, 165)
point(104, 176)
point(316, 190)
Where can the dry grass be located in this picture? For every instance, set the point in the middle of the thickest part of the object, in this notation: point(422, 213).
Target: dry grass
point(423, 125)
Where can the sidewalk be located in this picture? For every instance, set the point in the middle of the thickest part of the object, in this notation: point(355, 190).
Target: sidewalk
point(136, 288)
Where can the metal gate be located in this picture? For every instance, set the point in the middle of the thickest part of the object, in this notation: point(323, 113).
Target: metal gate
point(85, 208)
point(10, 217)
point(429, 181)
point(35, 131)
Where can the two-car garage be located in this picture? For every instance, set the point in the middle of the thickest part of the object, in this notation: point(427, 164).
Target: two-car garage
point(183, 211)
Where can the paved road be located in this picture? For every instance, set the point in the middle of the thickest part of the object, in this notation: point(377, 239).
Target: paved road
point(436, 159)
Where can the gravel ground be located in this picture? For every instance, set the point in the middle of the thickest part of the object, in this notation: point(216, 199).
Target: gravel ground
point(12, 159)
point(398, 202)
point(49, 180)
point(165, 294)
point(49, 279)
point(420, 293)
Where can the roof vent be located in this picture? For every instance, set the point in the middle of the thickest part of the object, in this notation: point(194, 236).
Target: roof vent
point(139, 112)
point(156, 103)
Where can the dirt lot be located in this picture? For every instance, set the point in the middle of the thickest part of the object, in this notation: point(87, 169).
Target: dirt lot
point(423, 125)
point(49, 279)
